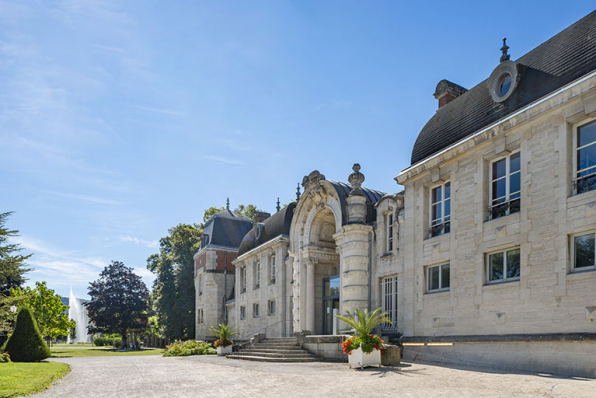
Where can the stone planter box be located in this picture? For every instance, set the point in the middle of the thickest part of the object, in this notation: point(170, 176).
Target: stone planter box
point(359, 359)
point(224, 350)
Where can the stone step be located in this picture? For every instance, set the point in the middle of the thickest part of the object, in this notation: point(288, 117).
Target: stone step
point(252, 349)
point(289, 346)
point(282, 340)
point(273, 354)
point(268, 359)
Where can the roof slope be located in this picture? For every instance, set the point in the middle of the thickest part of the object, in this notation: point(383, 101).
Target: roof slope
point(556, 62)
point(226, 228)
point(276, 225)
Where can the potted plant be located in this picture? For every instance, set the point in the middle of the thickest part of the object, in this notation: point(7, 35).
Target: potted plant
point(224, 333)
point(364, 348)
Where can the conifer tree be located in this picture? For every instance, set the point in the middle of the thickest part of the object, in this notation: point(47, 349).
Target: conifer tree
point(26, 343)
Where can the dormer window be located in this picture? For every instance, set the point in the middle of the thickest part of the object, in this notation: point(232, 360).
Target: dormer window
point(503, 81)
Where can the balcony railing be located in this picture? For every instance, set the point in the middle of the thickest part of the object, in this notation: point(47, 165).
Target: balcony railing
point(439, 229)
point(504, 208)
point(585, 183)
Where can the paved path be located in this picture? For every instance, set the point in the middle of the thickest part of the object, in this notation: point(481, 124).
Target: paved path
point(210, 376)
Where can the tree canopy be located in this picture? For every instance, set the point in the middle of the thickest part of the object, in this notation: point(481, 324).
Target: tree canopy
point(119, 301)
point(12, 263)
point(48, 309)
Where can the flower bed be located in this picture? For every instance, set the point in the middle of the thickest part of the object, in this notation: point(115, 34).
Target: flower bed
point(368, 343)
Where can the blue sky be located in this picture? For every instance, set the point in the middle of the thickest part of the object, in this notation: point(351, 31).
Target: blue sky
point(119, 120)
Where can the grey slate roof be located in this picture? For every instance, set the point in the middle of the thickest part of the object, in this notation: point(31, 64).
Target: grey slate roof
point(276, 225)
point(372, 197)
point(226, 228)
point(555, 63)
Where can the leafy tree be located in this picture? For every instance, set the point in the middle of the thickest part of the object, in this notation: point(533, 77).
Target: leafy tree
point(248, 211)
point(47, 307)
point(26, 343)
point(119, 301)
point(210, 212)
point(12, 263)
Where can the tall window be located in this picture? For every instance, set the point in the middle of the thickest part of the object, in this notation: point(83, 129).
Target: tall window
point(440, 210)
point(389, 292)
point(438, 278)
point(257, 275)
point(271, 307)
point(272, 270)
point(584, 252)
point(200, 318)
point(585, 176)
point(256, 310)
point(243, 279)
point(242, 312)
point(390, 232)
point(503, 266)
point(505, 186)
point(200, 285)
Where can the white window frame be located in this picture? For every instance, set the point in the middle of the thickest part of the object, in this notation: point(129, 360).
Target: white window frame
point(242, 312)
point(389, 242)
point(575, 178)
point(257, 275)
point(272, 275)
point(270, 307)
point(256, 310)
point(428, 279)
point(573, 259)
point(505, 278)
point(507, 177)
point(389, 301)
point(442, 220)
point(243, 279)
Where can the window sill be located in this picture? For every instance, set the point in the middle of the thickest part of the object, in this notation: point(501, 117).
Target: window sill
point(579, 197)
point(387, 255)
point(438, 236)
point(437, 293)
point(581, 274)
point(502, 284)
point(508, 219)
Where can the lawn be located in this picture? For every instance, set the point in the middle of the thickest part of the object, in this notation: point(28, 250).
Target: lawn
point(17, 379)
point(59, 352)
point(73, 345)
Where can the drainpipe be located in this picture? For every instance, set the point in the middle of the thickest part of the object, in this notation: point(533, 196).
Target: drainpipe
point(369, 271)
point(283, 292)
point(225, 295)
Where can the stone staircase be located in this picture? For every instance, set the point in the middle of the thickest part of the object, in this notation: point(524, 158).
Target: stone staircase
point(282, 349)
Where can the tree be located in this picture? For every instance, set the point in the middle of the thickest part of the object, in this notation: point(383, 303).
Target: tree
point(47, 307)
point(12, 263)
point(26, 343)
point(210, 212)
point(119, 301)
point(248, 211)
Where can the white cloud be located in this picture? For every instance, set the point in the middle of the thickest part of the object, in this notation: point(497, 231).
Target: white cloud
point(148, 243)
point(225, 160)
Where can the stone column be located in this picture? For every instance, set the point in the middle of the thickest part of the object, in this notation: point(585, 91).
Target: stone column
point(310, 295)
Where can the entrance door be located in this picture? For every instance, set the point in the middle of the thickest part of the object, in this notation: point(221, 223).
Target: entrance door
point(330, 302)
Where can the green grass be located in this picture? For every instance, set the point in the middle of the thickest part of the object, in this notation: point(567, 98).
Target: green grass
point(73, 345)
point(20, 378)
point(99, 352)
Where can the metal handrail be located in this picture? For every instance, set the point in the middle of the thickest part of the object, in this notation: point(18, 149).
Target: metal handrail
point(260, 330)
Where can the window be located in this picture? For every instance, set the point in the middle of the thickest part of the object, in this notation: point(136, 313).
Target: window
point(389, 300)
point(583, 252)
point(200, 285)
point(257, 275)
point(272, 270)
point(505, 181)
point(585, 176)
point(390, 232)
point(437, 278)
point(440, 210)
point(503, 266)
point(271, 307)
point(200, 318)
point(256, 311)
point(243, 279)
point(242, 312)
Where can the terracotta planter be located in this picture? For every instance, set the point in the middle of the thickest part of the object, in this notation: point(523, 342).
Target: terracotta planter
point(359, 359)
point(224, 350)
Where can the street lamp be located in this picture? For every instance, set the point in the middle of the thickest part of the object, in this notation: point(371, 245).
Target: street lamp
point(13, 309)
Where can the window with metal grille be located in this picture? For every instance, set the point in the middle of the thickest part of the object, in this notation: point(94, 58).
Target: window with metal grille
point(585, 160)
point(389, 298)
point(440, 210)
point(505, 177)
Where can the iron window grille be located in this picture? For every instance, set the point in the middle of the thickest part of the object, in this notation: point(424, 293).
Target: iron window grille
point(440, 210)
point(585, 159)
point(505, 186)
point(389, 297)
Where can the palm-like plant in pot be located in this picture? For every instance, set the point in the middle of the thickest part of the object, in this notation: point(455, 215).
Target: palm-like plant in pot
point(364, 348)
point(224, 333)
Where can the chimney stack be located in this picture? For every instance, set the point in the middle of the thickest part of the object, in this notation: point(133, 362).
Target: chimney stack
point(447, 91)
point(262, 216)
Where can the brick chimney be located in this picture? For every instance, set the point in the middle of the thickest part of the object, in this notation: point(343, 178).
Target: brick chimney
point(447, 91)
point(262, 216)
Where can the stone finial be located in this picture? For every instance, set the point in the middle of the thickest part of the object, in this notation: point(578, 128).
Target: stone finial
point(313, 178)
point(278, 207)
point(297, 192)
point(228, 204)
point(505, 56)
point(356, 179)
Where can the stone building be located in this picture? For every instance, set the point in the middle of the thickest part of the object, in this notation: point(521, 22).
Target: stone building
point(488, 254)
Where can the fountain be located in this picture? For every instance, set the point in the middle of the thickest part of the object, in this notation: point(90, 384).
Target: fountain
point(78, 312)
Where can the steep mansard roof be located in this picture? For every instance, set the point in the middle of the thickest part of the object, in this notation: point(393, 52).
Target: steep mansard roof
point(555, 63)
point(276, 225)
point(225, 228)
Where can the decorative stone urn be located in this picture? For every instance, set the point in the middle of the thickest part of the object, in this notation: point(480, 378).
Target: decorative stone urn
point(358, 358)
point(224, 350)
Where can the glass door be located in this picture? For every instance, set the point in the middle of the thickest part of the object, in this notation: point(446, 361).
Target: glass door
point(330, 302)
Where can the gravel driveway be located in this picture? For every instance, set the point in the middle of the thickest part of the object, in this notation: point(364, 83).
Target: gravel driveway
point(210, 376)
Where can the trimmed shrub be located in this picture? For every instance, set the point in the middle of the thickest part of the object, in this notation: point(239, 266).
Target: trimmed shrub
point(99, 341)
point(117, 342)
point(26, 343)
point(190, 347)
